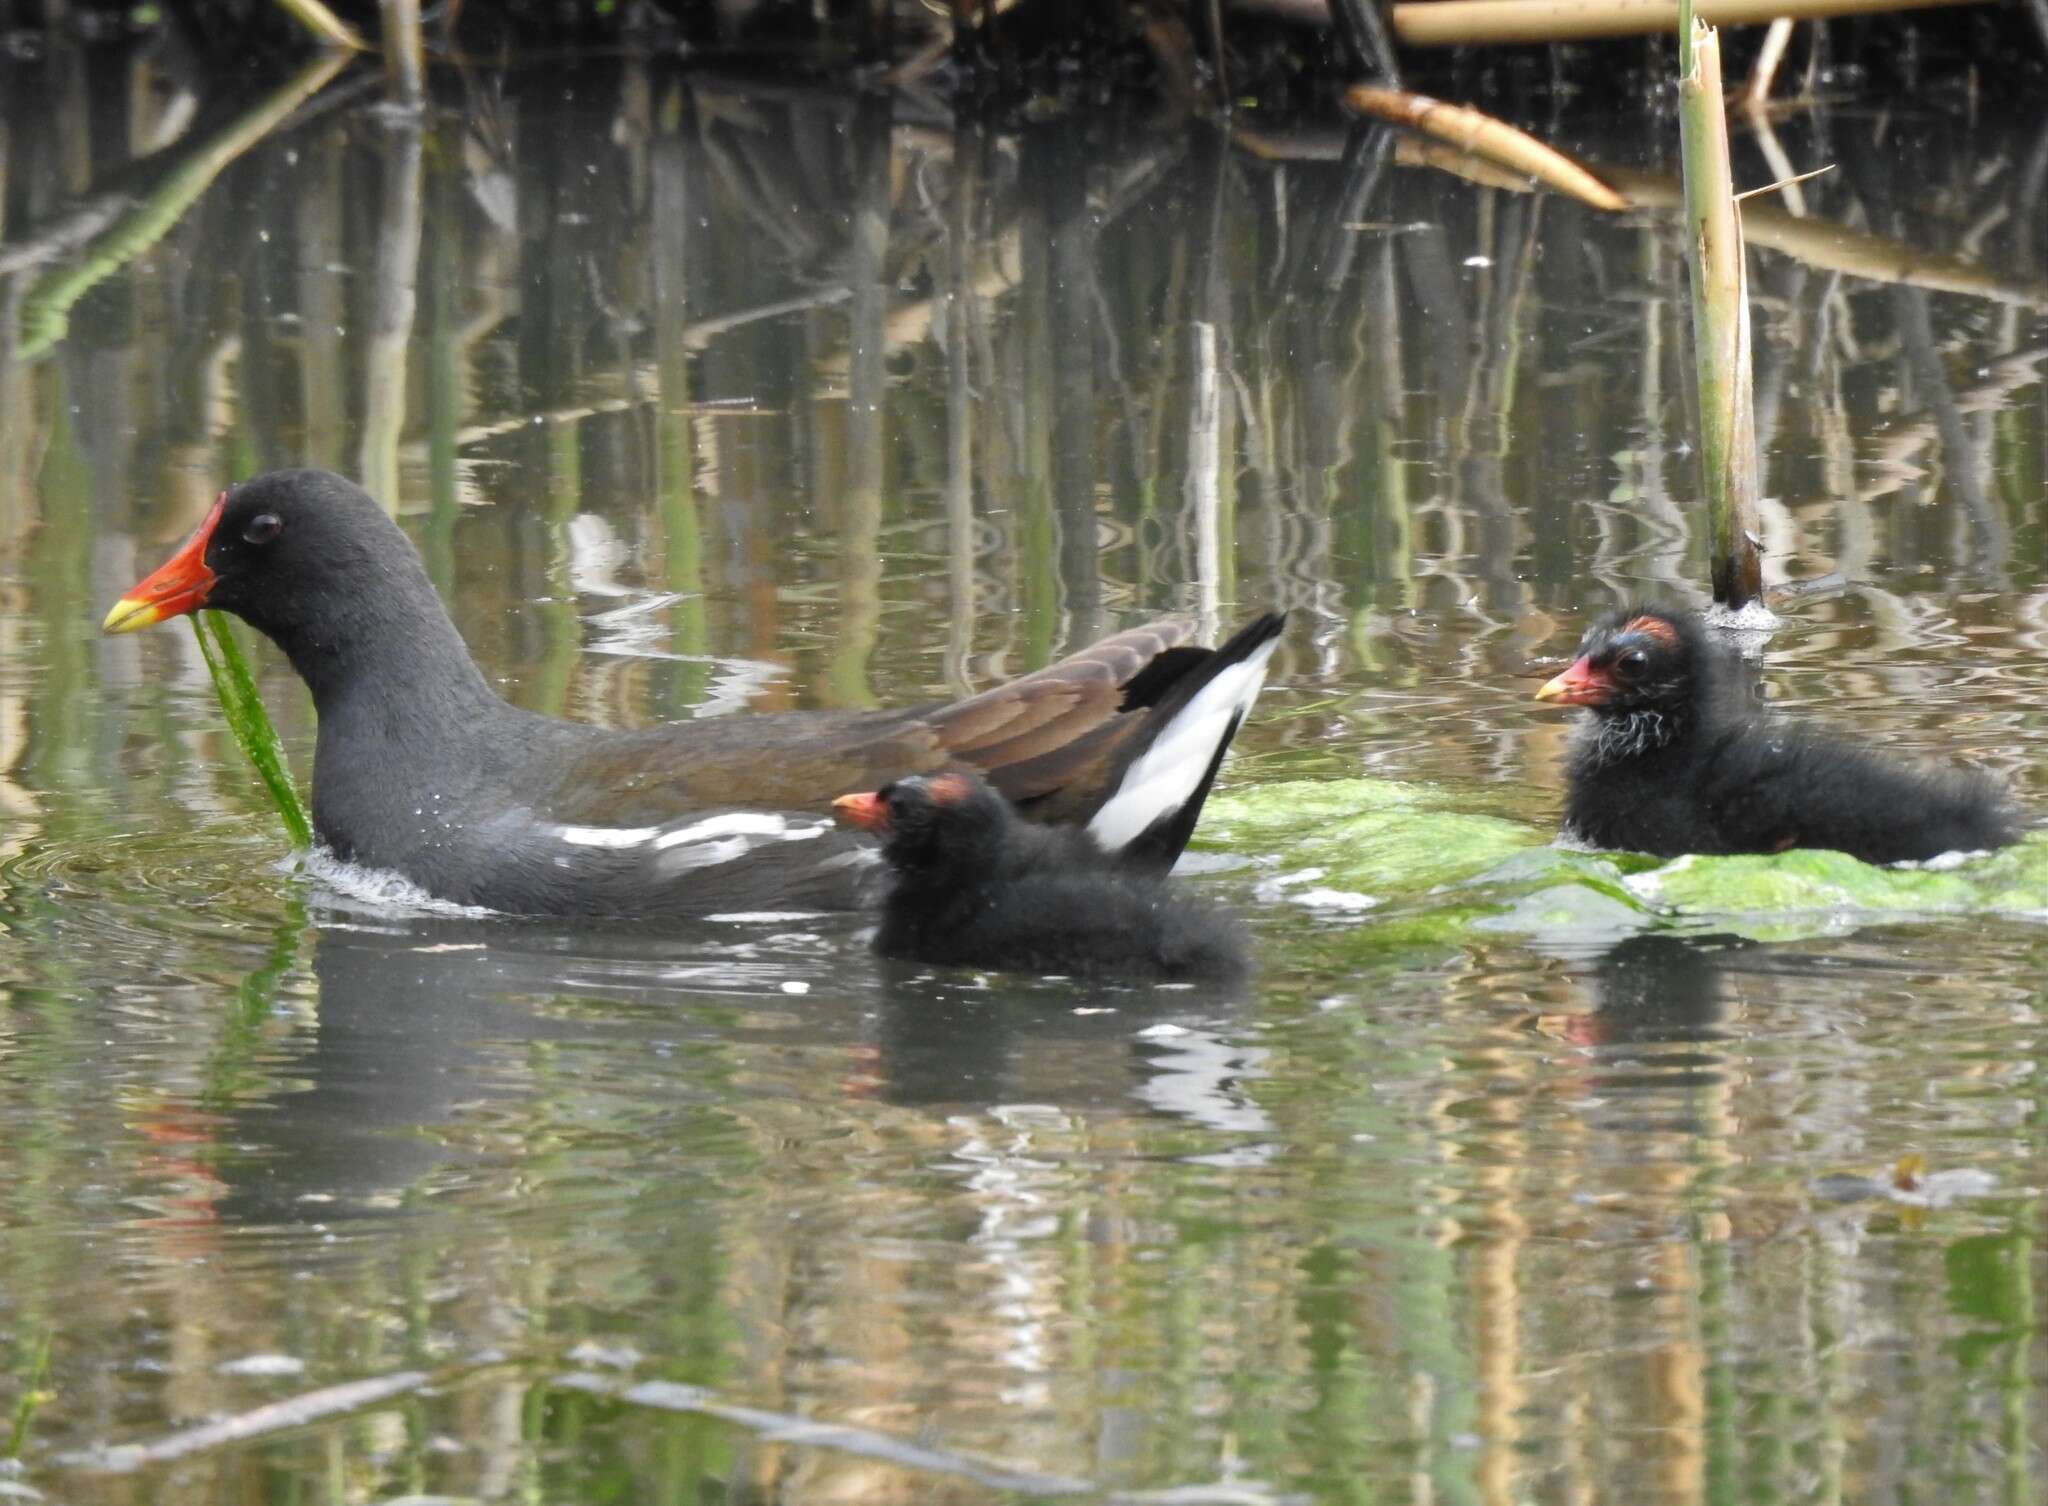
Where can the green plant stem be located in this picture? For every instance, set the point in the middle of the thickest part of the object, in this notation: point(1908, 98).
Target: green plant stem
point(33, 1395)
point(249, 722)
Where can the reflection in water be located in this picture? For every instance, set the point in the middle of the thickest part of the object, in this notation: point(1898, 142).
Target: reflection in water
point(1662, 988)
point(423, 1022)
point(412, 1021)
point(703, 399)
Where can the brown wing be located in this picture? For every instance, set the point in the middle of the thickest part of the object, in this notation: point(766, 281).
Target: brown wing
point(1048, 740)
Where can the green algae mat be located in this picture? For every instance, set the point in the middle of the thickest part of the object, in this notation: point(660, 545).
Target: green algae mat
point(1406, 863)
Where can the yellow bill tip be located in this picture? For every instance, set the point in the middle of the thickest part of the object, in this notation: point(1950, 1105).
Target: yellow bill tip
point(1580, 685)
point(131, 615)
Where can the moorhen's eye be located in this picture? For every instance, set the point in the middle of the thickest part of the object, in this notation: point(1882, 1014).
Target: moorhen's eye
point(264, 527)
point(1634, 662)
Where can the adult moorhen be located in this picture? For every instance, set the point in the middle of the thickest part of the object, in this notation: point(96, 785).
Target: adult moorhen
point(976, 886)
point(421, 769)
point(1675, 759)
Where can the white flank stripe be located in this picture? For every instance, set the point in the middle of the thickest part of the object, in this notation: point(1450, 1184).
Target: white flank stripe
point(742, 824)
point(1164, 776)
point(726, 824)
point(607, 836)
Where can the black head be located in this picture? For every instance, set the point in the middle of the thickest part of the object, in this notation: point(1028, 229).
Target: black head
point(933, 824)
point(289, 552)
point(1634, 659)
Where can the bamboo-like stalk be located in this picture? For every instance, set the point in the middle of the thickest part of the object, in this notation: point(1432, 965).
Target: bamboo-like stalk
point(1720, 323)
point(1484, 136)
point(404, 57)
point(324, 24)
point(1828, 246)
point(1824, 245)
point(1454, 23)
point(1411, 151)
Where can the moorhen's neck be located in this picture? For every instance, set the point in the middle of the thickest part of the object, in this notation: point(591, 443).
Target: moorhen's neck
point(383, 643)
point(1612, 736)
point(955, 871)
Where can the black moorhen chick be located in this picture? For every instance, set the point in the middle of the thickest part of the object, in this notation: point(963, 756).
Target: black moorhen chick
point(421, 769)
point(1675, 759)
point(976, 886)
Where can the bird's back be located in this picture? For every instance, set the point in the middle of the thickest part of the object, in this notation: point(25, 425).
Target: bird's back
point(1762, 784)
point(1776, 786)
point(1039, 916)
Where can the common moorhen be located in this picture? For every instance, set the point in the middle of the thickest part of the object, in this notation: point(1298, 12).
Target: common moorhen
point(1675, 759)
point(421, 769)
point(976, 886)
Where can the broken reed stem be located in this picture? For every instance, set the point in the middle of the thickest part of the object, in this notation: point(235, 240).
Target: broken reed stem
point(1720, 322)
point(1830, 246)
point(1483, 136)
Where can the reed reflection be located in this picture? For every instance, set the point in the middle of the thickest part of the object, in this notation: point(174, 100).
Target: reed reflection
point(1307, 369)
point(702, 398)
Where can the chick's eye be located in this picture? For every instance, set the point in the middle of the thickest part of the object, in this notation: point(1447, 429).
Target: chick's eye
point(1634, 662)
point(262, 528)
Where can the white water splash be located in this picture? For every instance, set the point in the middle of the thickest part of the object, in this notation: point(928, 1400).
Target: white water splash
point(377, 888)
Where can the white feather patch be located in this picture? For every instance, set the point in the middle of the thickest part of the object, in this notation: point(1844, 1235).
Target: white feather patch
point(1164, 777)
point(607, 836)
point(726, 824)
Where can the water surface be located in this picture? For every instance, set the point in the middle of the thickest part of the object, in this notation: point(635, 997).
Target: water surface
point(702, 400)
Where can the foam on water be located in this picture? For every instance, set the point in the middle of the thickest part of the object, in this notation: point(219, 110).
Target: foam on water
point(1945, 862)
point(763, 917)
point(379, 888)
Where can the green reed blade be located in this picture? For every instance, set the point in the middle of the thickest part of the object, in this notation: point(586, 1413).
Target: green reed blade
point(33, 1396)
point(250, 722)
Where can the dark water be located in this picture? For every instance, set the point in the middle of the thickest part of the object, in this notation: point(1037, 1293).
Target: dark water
point(704, 399)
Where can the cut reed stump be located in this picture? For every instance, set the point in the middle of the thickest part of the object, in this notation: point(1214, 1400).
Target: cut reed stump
point(1720, 323)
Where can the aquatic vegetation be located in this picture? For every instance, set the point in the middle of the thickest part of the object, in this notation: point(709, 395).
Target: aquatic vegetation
point(1415, 866)
point(250, 723)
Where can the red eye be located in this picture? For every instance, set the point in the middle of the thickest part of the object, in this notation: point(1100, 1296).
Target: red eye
point(264, 527)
